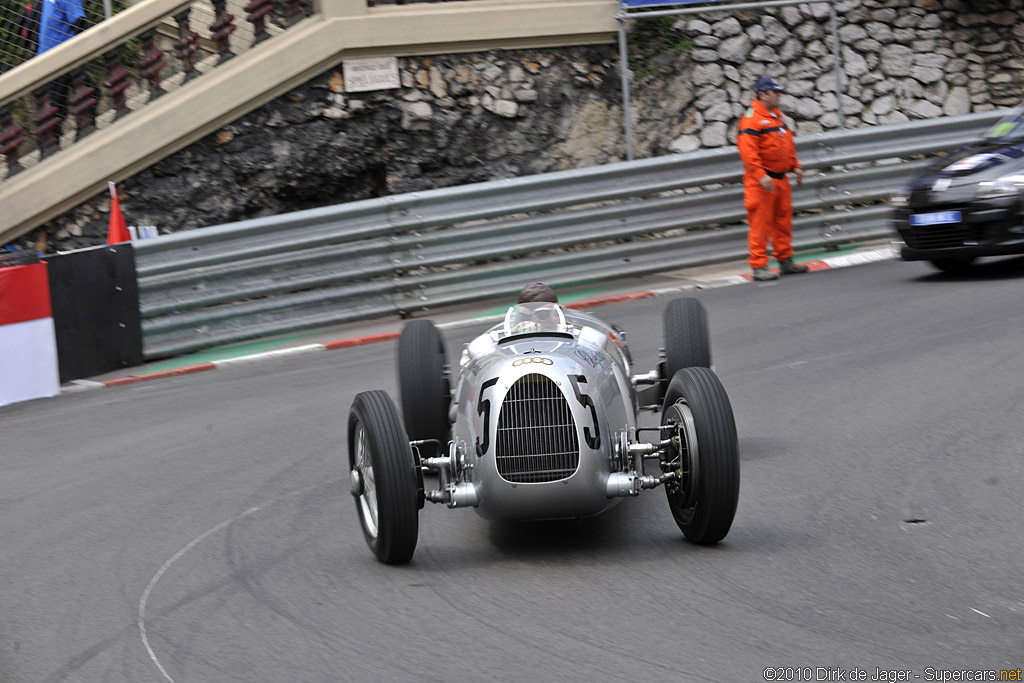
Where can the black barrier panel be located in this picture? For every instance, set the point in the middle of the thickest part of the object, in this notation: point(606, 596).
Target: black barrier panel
point(94, 295)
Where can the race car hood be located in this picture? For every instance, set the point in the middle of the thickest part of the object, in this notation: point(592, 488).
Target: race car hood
point(955, 179)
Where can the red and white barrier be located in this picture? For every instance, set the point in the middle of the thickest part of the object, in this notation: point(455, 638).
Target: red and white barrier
point(28, 346)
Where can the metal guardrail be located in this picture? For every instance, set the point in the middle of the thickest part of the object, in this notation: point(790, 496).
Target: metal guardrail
point(408, 253)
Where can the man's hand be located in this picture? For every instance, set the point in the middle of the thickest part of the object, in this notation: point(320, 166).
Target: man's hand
point(766, 183)
point(799, 173)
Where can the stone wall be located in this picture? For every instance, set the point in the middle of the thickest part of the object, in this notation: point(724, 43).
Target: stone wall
point(467, 118)
point(906, 60)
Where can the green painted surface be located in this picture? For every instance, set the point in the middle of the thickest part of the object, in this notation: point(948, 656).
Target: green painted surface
point(580, 294)
point(222, 352)
point(262, 345)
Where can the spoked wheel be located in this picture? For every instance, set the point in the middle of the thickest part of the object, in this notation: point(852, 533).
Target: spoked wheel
point(687, 342)
point(424, 386)
point(383, 477)
point(703, 501)
point(953, 265)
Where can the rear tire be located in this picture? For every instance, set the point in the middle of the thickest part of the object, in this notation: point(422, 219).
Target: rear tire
point(704, 502)
point(384, 474)
point(687, 342)
point(424, 386)
point(953, 266)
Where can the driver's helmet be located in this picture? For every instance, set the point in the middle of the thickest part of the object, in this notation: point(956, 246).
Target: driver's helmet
point(541, 316)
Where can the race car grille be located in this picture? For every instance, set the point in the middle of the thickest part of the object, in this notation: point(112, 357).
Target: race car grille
point(536, 440)
point(937, 237)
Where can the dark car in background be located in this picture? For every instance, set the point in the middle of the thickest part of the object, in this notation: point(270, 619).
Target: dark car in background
point(967, 205)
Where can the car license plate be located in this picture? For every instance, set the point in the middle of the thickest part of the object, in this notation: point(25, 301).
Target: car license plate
point(936, 218)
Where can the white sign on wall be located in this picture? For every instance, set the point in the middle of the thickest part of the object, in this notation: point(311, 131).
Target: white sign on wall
point(371, 73)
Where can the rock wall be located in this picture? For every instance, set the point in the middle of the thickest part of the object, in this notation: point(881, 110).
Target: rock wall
point(900, 61)
point(473, 117)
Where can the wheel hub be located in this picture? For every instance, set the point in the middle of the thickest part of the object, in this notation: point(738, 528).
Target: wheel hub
point(366, 498)
point(686, 449)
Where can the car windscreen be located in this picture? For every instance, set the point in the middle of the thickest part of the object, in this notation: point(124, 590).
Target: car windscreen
point(1009, 129)
point(534, 317)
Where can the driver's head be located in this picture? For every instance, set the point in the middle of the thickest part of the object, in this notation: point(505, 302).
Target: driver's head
point(538, 291)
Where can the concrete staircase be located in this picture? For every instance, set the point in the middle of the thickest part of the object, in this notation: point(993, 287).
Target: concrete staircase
point(333, 31)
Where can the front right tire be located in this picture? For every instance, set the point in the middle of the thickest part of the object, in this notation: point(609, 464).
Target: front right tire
point(383, 475)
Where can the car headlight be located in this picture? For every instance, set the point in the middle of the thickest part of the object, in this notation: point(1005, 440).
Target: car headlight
point(900, 198)
point(1001, 187)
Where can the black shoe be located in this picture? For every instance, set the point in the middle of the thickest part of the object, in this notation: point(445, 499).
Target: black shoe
point(789, 267)
point(763, 274)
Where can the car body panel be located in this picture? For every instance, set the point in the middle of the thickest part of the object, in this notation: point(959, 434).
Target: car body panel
point(586, 376)
point(948, 211)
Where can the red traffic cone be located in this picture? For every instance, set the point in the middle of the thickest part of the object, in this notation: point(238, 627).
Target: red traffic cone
point(117, 232)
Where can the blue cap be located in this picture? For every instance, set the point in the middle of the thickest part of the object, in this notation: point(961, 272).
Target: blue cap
point(767, 83)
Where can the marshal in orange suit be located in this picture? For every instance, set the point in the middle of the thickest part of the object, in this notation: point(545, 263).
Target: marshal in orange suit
point(769, 155)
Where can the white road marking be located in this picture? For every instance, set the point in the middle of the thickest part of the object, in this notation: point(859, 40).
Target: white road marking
point(156, 577)
point(267, 355)
point(857, 258)
point(720, 282)
point(74, 386)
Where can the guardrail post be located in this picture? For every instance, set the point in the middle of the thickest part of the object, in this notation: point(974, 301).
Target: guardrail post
point(10, 139)
point(118, 80)
point(47, 121)
point(222, 29)
point(187, 44)
point(152, 63)
point(83, 103)
point(258, 11)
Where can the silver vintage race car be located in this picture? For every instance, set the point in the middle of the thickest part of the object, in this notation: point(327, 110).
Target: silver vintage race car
point(542, 423)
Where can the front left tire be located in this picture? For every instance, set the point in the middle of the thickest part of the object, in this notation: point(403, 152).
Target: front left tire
point(703, 501)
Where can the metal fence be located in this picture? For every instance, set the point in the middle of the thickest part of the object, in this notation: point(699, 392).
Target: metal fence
point(404, 254)
point(141, 57)
point(19, 26)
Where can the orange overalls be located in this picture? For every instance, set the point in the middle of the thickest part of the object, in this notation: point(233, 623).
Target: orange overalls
point(766, 147)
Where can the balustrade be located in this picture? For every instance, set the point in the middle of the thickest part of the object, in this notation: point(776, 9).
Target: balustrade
point(118, 81)
point(84, 103)
point(295, 10)
point(10, 139)
point(258, 11)
point(47, 119)
point(222, 29)
point(152, 63)
point(186, 46)
point(132, 73)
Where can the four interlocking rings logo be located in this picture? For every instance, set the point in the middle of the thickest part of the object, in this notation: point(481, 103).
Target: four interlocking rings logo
point(532, 359)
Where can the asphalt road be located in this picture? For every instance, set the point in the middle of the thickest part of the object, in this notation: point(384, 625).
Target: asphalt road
point(199, 528)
